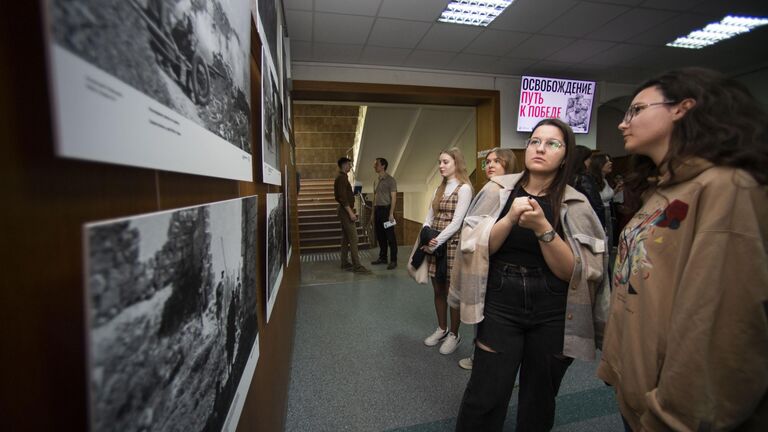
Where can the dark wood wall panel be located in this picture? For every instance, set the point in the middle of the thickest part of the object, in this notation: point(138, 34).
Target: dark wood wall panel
point(47, 200)
point(411, 231)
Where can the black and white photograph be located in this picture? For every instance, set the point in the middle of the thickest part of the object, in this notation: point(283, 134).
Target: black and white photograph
point(288, 242)
point(271, 122)
point(172, 317)
point(161, 84)
point(285, 89)
point(266, 25)
point(275, 247)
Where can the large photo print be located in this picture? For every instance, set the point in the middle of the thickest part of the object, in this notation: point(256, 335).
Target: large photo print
point(271, 122)
point(275, 247)
point(154, 83)
point(172, 318)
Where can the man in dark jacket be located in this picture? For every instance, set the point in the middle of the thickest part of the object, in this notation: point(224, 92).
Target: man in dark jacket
point(342, 193)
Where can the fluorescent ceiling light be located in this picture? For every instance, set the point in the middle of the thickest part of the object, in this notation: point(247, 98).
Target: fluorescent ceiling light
point(727, 28)
point(473, 12)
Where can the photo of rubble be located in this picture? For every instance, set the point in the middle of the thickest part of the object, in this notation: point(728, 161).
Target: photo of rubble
point(172, 317)
point(275, 246)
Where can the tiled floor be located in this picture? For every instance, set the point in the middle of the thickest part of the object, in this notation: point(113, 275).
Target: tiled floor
point(359, 363)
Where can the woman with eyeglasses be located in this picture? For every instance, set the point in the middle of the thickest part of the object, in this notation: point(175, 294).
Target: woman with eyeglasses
point(686, 346)
point(546, 295)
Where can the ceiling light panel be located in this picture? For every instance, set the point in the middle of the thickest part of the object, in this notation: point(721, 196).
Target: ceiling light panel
point(727, 28)
point(473, 12)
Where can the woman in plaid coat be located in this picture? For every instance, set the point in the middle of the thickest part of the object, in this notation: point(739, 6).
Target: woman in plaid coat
point(445, 214)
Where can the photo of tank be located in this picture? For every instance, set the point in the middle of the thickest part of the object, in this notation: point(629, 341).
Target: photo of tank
point(190, 55)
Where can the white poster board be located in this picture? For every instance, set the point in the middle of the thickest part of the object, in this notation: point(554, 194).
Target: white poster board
point(568, 100)
point(151, 83)
point(275, 256)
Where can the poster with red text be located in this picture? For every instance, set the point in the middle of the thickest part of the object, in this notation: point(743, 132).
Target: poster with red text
point(568, 100)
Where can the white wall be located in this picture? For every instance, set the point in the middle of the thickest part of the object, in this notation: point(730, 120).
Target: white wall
point(508, 87)
point(415, 204)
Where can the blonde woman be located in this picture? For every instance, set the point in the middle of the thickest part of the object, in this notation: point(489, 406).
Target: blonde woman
point(445, 215)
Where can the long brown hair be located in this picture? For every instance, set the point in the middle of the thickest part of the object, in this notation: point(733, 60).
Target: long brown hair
point(556, 189)
point(596, 169)
point(727, 126)
point(461, 175)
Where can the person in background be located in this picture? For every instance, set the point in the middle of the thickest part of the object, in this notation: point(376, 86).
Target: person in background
point(384, 202)
point(498, 161)
point(542, 253)
point(585, 184)
point(445, 214)
point(342, 193)
point(686, 346)
point(599, 167)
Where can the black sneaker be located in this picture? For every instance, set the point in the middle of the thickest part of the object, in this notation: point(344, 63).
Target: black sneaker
point(379, 261)
point(347, 266)
point(392, 265)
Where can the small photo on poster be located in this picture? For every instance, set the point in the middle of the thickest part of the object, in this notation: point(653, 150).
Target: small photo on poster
point(162, 84)
point(172, 329)
point(275, 247)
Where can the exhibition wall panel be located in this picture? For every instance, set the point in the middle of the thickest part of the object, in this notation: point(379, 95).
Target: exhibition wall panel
point(49, 199)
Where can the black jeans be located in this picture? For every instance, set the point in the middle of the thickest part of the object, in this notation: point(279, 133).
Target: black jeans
point(384, 236)
point(524, 323)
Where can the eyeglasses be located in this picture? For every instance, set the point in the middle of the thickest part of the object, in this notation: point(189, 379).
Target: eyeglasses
point(634, 110)
point(553, 144)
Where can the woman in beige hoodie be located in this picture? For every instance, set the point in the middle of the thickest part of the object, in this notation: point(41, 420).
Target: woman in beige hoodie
point(686, 344)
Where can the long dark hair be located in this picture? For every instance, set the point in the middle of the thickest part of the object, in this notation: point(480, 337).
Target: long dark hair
point(580, 155)
point(596, 165)
point(556, 189)
point(726, 126)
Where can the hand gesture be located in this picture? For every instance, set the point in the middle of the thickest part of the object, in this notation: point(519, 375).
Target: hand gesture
point(534, 219)
point(518, 207)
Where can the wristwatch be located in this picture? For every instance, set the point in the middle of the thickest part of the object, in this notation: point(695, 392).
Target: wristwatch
point(547, 236)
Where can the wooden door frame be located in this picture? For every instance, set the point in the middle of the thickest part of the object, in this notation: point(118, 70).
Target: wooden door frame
point(486, 102)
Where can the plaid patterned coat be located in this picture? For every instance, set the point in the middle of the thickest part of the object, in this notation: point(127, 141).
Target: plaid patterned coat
point(440, 221)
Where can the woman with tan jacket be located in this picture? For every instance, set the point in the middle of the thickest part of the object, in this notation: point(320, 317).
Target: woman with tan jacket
point(686, 346)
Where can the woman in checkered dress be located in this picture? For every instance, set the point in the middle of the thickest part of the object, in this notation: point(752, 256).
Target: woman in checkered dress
point(446, 213)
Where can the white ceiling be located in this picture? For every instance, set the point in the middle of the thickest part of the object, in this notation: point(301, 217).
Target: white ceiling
point(612, 40)
point(410, 137)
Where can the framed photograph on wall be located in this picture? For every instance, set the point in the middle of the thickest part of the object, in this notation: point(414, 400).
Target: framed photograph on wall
point(161, 84)
point(270, 122)
point(275, 256)
point(267, 27)
point(171, 303)
point(288, 243)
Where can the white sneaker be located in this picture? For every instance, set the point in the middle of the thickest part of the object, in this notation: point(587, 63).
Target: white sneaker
point(436, 337)
point(466, 363)
point(450, 343)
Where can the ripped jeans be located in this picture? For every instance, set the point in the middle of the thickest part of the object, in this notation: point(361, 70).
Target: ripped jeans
point(524, 323)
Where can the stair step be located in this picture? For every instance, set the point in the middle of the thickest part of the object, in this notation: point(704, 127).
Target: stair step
point(315, 210)
point(329, 248)
point(330, 241)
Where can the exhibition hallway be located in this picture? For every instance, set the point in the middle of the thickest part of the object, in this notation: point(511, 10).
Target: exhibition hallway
point(359, 363)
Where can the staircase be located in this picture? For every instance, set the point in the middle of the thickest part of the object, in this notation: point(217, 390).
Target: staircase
point(319, 226)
